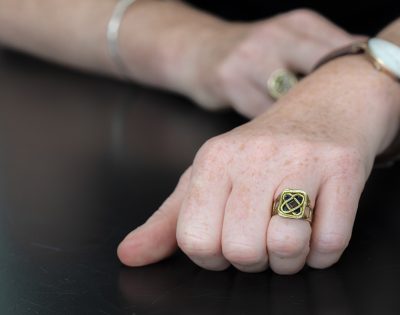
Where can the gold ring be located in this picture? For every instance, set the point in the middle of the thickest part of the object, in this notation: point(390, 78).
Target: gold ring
point(280, 82)
point(294, 204)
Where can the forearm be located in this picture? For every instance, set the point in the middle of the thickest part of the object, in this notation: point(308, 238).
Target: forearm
point(70, 32)
point(154, 36)
point(391, 32)
point(371, 96)
point(165, 43)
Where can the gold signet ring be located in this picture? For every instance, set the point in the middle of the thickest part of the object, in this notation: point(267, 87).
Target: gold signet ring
point(280, 82)
point(293, 204)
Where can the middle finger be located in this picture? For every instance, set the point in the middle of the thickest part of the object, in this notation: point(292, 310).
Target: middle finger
point(244, 232)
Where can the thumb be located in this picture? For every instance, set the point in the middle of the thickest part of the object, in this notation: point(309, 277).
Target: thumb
point(155, 239)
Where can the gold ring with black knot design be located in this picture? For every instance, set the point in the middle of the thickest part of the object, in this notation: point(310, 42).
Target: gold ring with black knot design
point(293, 204)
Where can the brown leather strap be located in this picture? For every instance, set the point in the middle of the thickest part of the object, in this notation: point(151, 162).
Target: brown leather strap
point(353, 49)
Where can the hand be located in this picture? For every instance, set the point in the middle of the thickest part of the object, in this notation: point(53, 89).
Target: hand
point(233, 64)
point(318, 139)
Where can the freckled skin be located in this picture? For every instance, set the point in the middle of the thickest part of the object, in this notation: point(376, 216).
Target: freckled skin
point(320, 142)
point(301, 143)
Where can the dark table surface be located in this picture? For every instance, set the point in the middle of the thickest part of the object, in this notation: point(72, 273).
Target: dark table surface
point(84, 159)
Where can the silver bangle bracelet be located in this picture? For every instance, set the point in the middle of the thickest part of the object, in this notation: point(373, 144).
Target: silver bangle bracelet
point(113, 32)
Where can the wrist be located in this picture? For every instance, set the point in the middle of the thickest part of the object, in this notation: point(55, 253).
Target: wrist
point(163, 50)
point(376, 97)
point(360, 100)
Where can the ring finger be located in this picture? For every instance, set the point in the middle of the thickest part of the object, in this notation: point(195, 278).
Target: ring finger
point(288, 239)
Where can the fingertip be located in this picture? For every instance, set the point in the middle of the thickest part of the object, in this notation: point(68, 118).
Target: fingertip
point(129, 251)
point(327, 251)
point(155, 239)
point(123, 254)
point(149, 243)
point(322, 262)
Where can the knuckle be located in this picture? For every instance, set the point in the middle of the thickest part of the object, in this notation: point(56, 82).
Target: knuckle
point(193, 244)
point(225, 74)
point(213, 151)
point(303, 14)
point(262, 148)
point(245, 51)
point(267, 31)
point(348, 162)
point(212, 146)
point(235, 64)
point(286, 246)
point(184, 178)
point(243, 254)
point(330, 243)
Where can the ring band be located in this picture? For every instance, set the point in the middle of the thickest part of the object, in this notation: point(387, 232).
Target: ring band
point(280, 82)
point(293, 204)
